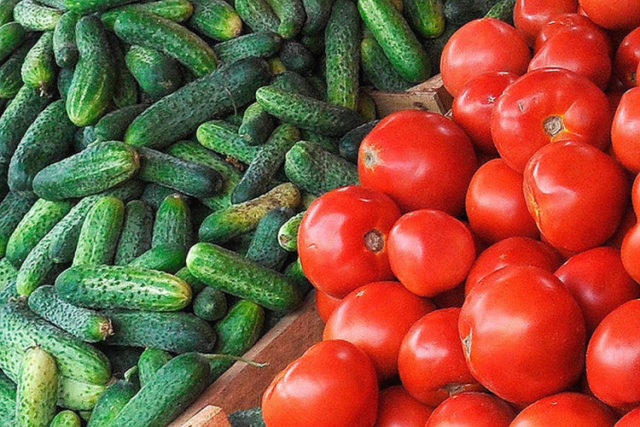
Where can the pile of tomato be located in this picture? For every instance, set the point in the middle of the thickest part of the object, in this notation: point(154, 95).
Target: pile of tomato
point(486, 270)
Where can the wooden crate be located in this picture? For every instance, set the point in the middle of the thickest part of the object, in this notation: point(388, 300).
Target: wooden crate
point(429, 96)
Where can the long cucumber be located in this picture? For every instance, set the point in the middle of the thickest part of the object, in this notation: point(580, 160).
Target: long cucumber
point(100, 232)
point(37, 389)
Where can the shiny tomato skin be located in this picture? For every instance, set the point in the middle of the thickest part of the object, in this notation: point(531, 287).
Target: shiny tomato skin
point(396, 408)
point(420, 159)
point(375, 318)
point(326, 304)
point(495, 204)
point(430, 251)
point(530, 16)
point(631, 419)
point(565, 410)
point(342, 241)
point(472, 108)
point(627, 59)
point(566, 21)
point(618, 15)
point(625, 131)
point(523, 333)
point(578, 207)
point(481, 46)
point(472, 410)
point(548, 106)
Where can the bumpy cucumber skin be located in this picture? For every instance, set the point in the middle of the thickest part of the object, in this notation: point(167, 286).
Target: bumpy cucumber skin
point(77, 395)
point(85, 7)
point(196, 285)
point(112, 126)
point(154, 194)
point(350, 142)
point(6, 10)
point(64, 40)
point(264, 248)
point(10, 71)
point(178, 115)
point(210, 304)
point(156, 73)
point(173, 223)
point(175, 10)
point(261, 44)
point(125, 90)
point(8, 274)
point(37, 389)
point(65, 76)
point(425, 16)
point(317, 12)
point(12, 208)
point(100, 232)
point(296, 57)
point(291, 15)
point(503, 10)
point(292, 82)
point(135, 237)
point(247, 418)
point(256, 124)
point(295, 273)
point(258, 15)
point(150, 362)
point(288, 233)
point(111, 403)
point(11, 37)
point(223, 138)
point(7, 399)
point(216, 19)
point(34, 17)
point(66, 419)
point(167, 258)
point(326, 142)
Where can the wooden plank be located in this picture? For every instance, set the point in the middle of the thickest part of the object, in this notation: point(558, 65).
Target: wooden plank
point(209, 416)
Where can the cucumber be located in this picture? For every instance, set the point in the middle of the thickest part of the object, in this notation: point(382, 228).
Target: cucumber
point(258, 15)
point(315, 43)
point(77, 395)
point(256, 125)
point(125, 91)
point(342, 47)
point(225, 224)
point(459, 12)
point(46, 141)
point(6, 10)
point(296, 57)
point(112, 126)
point(65, 76)
point(326, 142)
point(247, 418)
point(196, 285)
point(229, 272)
point(12, 208)
point(35, 17)
point(135, 288)
point(398, 42)
point(223, 138)
point(154, 194)
point(64, 40)
point(350, 142)
point(317, 12)
point(317, 81)
point(264, 248)
point(79, 175)
point(39, 67)
point(261, 44)
point(291, 15)
point(265, 164)
point(8, 274)
point(7, 394)
point(175, 10)
point(434, 47)
point(503, 10)
point(156, 73)
point(292, 82)
point(123, 360)
point(84, 7)
point(288, 233)
point(100, 232)
point(167, 258)
point(178, 115)
point(294, 272)
point(135, 237)
point(37, 389)
point(210, 304)
point(150, 362)
point(153, 31)
point(10, 71)
point(11, 37)
point(173, 223)
point(111, 403)
point(425, 16)
point(366, 106)
point(85, 324)
point(174, 332)
point(216, 19)
point(66, 419)
point(307, 113)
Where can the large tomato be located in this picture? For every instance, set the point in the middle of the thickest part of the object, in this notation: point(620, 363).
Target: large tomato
point(630, 252)
point(326, 304)
point(523, 334)
point(376, 317)
point(627, 59)
point(566, 21)
point(495, 203)
point(576, 193)
point(613, 15)
point(342, 239)
point(632, 419)
point(420, 159)
point(530, 16)
point(625, 132)
point(566, 410)
point(548, 106)
point(627, 223)
point(396, 408)
point(481, 46)
point(332, 384)
point(472, 410)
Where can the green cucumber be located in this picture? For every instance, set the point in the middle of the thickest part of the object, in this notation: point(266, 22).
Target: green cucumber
point(100, 232)
point(156, 73)
point(503, 10)
point(291, 15)
point(294, 272)
point(210, 304)
point(223, 138)
point(288, 233)
point(125, 91)
point(175, 10)
point(367, 106)
point(154, 194)
point(83, 138)
point(261, 44)
point(35, 17)
point(123, 360)
point(315, 43)
point(173, 223)
point(167, 258)
point(425, 16)
point(319, 84)
point(10, 71)
point(150, 362)
point(66, 419)
point(64, 40)
point(350, 142)
point(12, 208)
point(37, 389)
point(85, 7)
point(216, 19)
point(247, 418)
point(135, 237)
point(317, 12)
point(78, 395)
point(434, 47)
point(11, 37)
point(113, 125)
point(459, 12)
point(292, 82)
point(256, 125)
point(8, 274)
point(326, 142)
point(196, 285)
point(6, 10)
point(111, 403)
point(65, 76)
point(258, 15)
point(296, 57)
point(264, 248)
point(7, 395)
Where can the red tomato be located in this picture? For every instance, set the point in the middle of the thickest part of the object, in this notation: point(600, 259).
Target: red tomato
point(625, 132)
point(326, 304)
point(422, 160)
point(613, 357)
point(618, 15)
point(632, 419)
point(332, 384)
point(376, 317)
point(576, 193)
point(565, 21)
point(472, 410)
point(481, 46)
point(430, 251)
point(495, 204)
point(548, 106)
point(530, 16)
point(598, 282)
point(627, 58)
point(473, 107)
point(628, 221)
point(342, 241)
point(396, 408)
point(451, 298)
point(635, 194)
point(566, 410)
point(431, 364)
point(614, 92)
point(523, 334)
point(630, 252)
point(512, 251)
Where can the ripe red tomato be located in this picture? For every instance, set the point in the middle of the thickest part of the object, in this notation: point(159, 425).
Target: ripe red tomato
point(342, 241)
point(628, 221)
point(566, 410)
point(326, 304)
point(625, 132)
point(548, 106)
point(472, 410)
point(523, 334)
point(627, 59)
point(576, 193)
point(530, 16)
point(618, 15)
point(613, 357)
point(565, 21)
point(332, 384)
point(431, 364)
point(420, 159)
point(632, 419)
point(495, 204)
point(430, 251)
point(473, 107)
point(375, 318)
point(512, 251)
point(630, 252)
point(481, 46)
point(396, 408)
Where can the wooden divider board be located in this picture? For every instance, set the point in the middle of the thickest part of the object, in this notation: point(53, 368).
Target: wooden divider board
point(429, 96)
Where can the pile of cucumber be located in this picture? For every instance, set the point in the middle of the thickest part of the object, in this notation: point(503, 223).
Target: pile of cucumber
point(156, 159)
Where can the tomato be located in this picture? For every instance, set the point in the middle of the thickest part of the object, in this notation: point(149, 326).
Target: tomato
point(481, 46)
point(625, 132)
point(512, 251)
point(326, 304)
point(566, 21)
point(342, 241)
point(396, 408)
point(472, 410)
point(565, 410)
point(332, 384)
point(614, 92)
point(630, 252)
point(530, 16)
point(618, 15)
point(627, 59)
point(450, 298)
point(635, 194)
point(376, 317)
point(628, 221)
point(576, 193)
point(430, 251)
point(613, 357)
point(495, 203)
point(523, 334)
point(422, 160)
point(632, 419)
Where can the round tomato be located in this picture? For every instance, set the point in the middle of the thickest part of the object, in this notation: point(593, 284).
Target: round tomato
point(548, 106)
point(376, 317)
point(495, 204)
point(630, 252)
point(422, 160)
point(430, 251)
point(481, 46)
point(565, 410)
point(565, 21)
point(523, 334)
point(472, 410)
point(625, 132)
point(396, 408)
point(530, 16)
point(632, 419)
point(576, 193)
point(628, 221)
point(613, 357)
point(332, 384)
point(627, 59)
point(473, 107)
point(342, 241)
point(618, 15)
point(326, 304)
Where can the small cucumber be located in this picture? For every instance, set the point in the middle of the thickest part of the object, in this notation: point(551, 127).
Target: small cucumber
point(37, 389)
point(296, 57)
point(291, 15)
point(156, 73)
point(258, 15)
point(175, 10)
point(11, 37)
point(223, 138)
point(256, 125)
point(425, 16)
point(173, 223)
point(196, 285)
point(350, 142)
point(100, 232)
point(112, 126)
point(6, 10)
point(261, 44)
point(7, 395)
point(111, 402)
point(288, 233)
point(216, 19)
point(167, 258)
point(125, 90)
point(378, 68)
point(85, 7)
point(10, 71)
point(317, 12)
point(154, 194)
point(150, 362)
point(66, 419)
point(12, 208)
point(35, 17)
point(292, 82)
point(210, 304)
point(135, 237)
point(65, 49)
point(264, 248)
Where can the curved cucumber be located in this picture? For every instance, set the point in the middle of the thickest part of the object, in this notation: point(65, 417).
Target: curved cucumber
point(34, 17)
point(111, 403)
point(37, 388)
point(167, 258)
point(156, 73)
point(11, 37)
point(100, 232)
point(65, 49)
point(258, 15)
point(150, 362)
point(426, 16)
point(66, 419)
point(135, 237)
point(12, 208)
point(223, 138)
point(264, 248)
point(210, 304)
point(261, 44)
point(256, 124)
point(288, 233)
point(216, 19)
point(173, 223)
point(175, 10)
point(291, 15)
